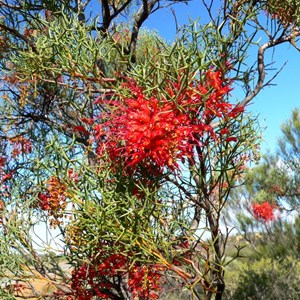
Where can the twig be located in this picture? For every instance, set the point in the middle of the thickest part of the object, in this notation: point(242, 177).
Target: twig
point(261, 64)
point(19, 35)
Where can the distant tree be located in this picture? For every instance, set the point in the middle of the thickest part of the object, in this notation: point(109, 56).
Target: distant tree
point(267, 215)
point(271, 190)
point(264, 278)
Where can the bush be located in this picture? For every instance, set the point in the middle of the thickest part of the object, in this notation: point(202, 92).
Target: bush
point(264, 279)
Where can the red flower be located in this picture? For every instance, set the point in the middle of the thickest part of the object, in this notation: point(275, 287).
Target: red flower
point(20, 145)
point(144, 282)
point(80, 129)
point(88, 121)
point(2, 161)
point(236, 111)
point(263, 211)
point(224, 131)
point(96, 279)
point(158, 131)
point(145, 130)
point(231, 139)
point(44, 203)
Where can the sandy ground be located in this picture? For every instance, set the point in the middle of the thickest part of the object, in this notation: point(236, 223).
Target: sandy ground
point(41, 286)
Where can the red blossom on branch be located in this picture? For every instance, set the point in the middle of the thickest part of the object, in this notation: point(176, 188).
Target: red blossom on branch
point(20, 145)
point(263, 211)
point(53, 200)
point(144, 282)
point(2, 161)
point(89, 280)
point(158, 131)
point(81, 129)
point(142, 130)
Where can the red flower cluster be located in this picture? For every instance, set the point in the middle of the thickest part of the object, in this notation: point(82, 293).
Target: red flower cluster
point(143, 130)
point(158, 131)
point(263, 211)
point(54, 199)
point(96, 279)
point(20, 145)
point(81, 129)
point(144, 282)
point(2, 162)
point(86, 283)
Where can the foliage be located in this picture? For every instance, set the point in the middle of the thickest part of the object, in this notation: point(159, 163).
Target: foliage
point(271, 189)
point(269, 266)
point(269, 221)
point(264, 279)
point(286, 11)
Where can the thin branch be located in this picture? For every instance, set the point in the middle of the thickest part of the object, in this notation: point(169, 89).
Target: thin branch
point(141, 16)
point(261, 64)
point(35, 7)
point(105, 15)
point(19, 35)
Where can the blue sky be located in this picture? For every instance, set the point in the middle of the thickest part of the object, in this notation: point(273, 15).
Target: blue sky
point(275, 103)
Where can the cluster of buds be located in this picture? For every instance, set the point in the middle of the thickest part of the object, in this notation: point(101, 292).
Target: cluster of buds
point(53, 200)
point(284, 11)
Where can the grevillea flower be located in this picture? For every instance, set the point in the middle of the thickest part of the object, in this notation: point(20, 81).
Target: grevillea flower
point(95, 279)
point(144, 282)
point(53, 200)
point(263, 211)
point(144, 130)
point(158, 131)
